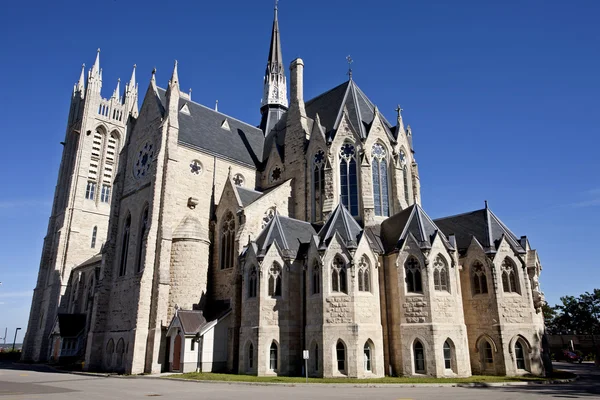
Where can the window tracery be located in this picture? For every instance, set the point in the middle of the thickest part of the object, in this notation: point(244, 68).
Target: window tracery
point(380, 180)
point(349, 178)
point(338, 276)
point(228, 241)
point(441, 279)
point(412, 270)
point(318, 185)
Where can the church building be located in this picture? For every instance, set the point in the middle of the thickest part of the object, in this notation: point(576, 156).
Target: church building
point(184, 239)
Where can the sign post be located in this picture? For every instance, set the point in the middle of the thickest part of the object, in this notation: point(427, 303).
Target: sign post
point(305, 356)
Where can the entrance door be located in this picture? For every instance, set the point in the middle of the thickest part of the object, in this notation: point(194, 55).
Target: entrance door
point(176, 366)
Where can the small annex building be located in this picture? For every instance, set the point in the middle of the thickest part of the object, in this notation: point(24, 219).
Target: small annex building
point(195, 344)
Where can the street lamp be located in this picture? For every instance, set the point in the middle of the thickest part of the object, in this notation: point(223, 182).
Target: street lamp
point(15, 339)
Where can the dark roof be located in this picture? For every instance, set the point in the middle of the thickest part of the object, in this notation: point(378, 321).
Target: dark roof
point(329, 106)
point(412, 220)
point(202, 129)
point(92, 260)
point(482, 224)
point(71, 325)
point(289, 233)
point(248, 196)
point(342, 222)
point(191, 321)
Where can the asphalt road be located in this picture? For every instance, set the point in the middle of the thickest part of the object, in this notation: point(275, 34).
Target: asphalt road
point(38, 382)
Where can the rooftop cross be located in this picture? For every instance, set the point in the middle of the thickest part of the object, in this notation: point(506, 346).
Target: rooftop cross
point(399, 110)
point(350, 61)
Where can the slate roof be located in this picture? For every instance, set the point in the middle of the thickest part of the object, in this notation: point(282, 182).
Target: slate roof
point(191, 321)
point(71, 325)
point(248, 196)
point(412, 220)
point(342, 222)
point(92, 260)
point(289, 233)
point(202, 130)
point(484, 225)
point(330, 105)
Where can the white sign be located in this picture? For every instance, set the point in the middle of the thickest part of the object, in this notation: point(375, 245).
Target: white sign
point(305, 354)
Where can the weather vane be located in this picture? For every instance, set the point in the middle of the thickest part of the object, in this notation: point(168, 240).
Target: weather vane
point(350, 61)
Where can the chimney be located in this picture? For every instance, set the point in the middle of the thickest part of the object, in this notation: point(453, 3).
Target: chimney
point(297, 83)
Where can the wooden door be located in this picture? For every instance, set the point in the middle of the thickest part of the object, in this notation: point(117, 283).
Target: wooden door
point(176, 366)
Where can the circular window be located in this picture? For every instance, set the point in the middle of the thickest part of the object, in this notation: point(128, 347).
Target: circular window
point(238, 180)
point(144, 160)
point(196, 167)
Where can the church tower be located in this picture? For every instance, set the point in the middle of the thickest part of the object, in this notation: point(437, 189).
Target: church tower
point(274, 102)
point(78, 224)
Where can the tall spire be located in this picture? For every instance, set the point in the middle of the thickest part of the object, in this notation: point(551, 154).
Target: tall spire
point(175, 76)
point(274, 101)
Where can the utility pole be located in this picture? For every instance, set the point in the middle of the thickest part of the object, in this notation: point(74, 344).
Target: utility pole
point(15, 339)
point(5, 332)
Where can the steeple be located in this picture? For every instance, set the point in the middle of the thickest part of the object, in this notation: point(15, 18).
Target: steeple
point(94, 79)
point(131, 85)
point(274, 101)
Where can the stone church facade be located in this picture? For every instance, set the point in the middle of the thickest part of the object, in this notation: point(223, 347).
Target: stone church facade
point(305, 232)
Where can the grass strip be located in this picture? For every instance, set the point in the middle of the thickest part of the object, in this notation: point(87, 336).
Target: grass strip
point(207, 376)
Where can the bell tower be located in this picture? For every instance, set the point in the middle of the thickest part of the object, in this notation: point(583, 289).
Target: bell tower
point(78, 224)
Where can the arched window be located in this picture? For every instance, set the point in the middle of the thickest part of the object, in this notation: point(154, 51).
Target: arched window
point(367, 353)
point(338, 276)
point(252, 282)
point(479, 278)
point(509, 276)
point(405, 177)
point(380, 180)
point(142, 240)
point(412, 269)
point(364, 278)
point(340, 351)
point(447, 355)
point(125, 246)
point(250, 356)
point(318, 185)
point(419, 354)
point(90, 190)
point(520, 355)
point(487, 355)
point(273, 357)
point(228, 241)
point(275, 280)
point(110, 347)
point(441, 279)
point(316, 279)
point(94, 233)
point(349, 178)
point(120, 352)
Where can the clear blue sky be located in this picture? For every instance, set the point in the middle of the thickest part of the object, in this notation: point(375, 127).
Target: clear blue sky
point(503, 100)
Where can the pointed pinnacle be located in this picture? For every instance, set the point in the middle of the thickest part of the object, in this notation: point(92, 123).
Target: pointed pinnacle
point(81, 83)
point(96, 66)
point(175, 76)
point(131, 84)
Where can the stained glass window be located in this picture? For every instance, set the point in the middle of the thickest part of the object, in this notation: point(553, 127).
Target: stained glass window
point(318, 185)
point(349, 178)
point(380, 180)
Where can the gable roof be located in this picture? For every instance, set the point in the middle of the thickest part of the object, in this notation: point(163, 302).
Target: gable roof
point(342, 222)
point(412, 220)
point(289, 233)
point(191, 321)
point(248, 196)
point(482, 224)
point(330, 106)
point(202, 129)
